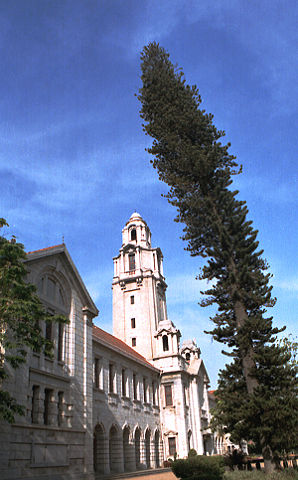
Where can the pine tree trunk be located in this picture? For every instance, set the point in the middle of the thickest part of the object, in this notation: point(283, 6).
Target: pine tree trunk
point(269, 464)
point(247, 359)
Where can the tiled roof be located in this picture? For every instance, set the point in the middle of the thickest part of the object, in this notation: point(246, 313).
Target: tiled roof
point(120, 346)
point(211, 392)
point(47, 248)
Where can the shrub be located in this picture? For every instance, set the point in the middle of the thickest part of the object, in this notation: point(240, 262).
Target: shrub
point(235, 459)
point(192, 453)
point(199, 467)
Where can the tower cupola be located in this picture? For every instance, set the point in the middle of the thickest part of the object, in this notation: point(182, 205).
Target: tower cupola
point(136, 232)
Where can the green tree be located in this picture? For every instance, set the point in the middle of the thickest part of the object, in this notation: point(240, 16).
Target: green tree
point(198, 168)
point(21, 315)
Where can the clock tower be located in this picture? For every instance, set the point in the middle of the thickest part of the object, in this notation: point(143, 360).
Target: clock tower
point(139, 289)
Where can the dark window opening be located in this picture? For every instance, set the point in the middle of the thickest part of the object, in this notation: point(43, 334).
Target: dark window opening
point(133, 234)
point(133, 322)
point(168, 395)
point(111, 378)
point(131, 261)
point(165, 343)
point(47, 401)
point(49, 330)
point(187, 356)
point(133, 342)
point(123, 382)
point(96, 372)
point(134, 384)
point(60, 342)
point(60, 408)
point(145, 390)
point(153, 393)
point(35, 402)
point(172, 446)
point(132, 299)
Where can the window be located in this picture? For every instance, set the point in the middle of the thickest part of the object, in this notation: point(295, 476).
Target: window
point(165, 343)
point(96, 372)
point(60, 342)
point(60, 408)
point(51, 289)
point(133, 234)
point(47, 401)
point(168, 395)
point(49, 330)
point(172, 446)
point(132, 299)
point(133, 322)
point(187, 356)
point(35, 401)
point(123, 382)
point(153, 394)
point(131, 261)
point(111, 378)
point(135, 387)
point(133, 342)
point(145, 390)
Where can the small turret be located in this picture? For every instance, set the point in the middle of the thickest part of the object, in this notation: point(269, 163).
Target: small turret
point(136, 232)
point(190, 350)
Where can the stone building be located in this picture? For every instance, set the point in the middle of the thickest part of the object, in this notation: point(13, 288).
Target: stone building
point(55, 435)
point(106, 403)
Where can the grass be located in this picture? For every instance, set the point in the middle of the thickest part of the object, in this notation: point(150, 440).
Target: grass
point(289, 474)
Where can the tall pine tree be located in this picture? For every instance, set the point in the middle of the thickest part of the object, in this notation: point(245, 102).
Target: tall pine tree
point(198, 168)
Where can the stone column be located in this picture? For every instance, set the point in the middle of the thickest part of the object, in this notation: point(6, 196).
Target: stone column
point(87, 389)
point(142, 454)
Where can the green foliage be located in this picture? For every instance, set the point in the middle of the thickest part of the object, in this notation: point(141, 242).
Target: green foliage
point(21, 314)
point(199, 467)
point(289, 474)
point(290, 344)
point(192, 453)
point(257, 392)
point(236, 458)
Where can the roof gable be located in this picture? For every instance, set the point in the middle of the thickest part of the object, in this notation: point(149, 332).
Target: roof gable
point(61, 250)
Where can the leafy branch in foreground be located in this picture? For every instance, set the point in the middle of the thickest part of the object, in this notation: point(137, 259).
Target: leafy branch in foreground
point(21, 316)
point(198, 168)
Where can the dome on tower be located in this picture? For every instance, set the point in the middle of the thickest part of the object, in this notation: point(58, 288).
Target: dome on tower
point(135, 216)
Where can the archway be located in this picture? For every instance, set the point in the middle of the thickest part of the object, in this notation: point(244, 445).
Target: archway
point(138, 447)
point(126, 449)
point(98, 449)
point(156, 449)
point(147, 448)
point(115, 451)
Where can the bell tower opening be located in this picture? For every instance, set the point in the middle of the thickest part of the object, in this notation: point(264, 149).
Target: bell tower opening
point(165, 343)
point(133, 234)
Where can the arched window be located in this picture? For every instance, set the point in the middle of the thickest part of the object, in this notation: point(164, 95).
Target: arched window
point(165, 343)
point(187, 356)
point(133, 234)
point(56, 300)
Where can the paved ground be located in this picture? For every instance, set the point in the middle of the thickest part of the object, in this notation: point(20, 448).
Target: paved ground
point(153, 476)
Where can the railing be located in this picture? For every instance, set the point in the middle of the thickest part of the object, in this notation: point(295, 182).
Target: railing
point(257, 463)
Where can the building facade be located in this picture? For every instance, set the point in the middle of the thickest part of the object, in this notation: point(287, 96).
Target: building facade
point(106, 403)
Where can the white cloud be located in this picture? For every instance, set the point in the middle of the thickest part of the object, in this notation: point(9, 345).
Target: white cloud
point(290, 285)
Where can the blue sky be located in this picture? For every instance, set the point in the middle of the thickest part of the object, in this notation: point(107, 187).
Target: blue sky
point(72, 149)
